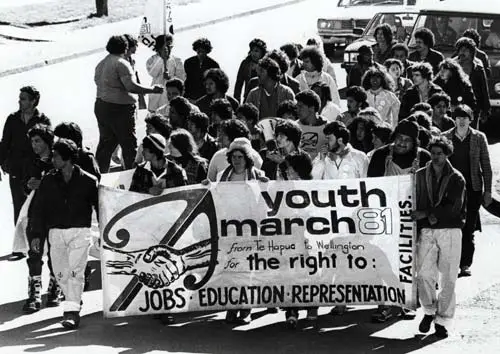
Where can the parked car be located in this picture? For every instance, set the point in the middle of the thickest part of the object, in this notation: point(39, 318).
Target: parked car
point(478, 14)
point(350, 14)
point(401, 23)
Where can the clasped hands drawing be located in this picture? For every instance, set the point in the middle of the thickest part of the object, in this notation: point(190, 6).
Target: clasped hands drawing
point(160, 265)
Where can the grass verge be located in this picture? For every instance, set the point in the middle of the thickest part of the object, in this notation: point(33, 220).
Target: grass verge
point(75, 12)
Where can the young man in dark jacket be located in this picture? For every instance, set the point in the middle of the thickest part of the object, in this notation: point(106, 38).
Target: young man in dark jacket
point(62, 207)
point(440, 215)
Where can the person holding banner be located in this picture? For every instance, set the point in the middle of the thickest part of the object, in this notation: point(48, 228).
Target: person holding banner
point(63, 207)
point(196, 66)
point(163, 66)
point(157, 172)
point(115, 104)
point(440, 214)
point(403, 156)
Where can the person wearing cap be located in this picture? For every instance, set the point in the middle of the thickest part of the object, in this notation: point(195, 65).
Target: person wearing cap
point(356, 101)
point(423, 88)
point(466, 49)
point(403, 156)
point(163, 66)
point(230, 130)
point(313, 62)
point(157, 172)
point(248, 67)
point(424, 42)
point(310, 122)
point(270, 92)
point(472, 159)
point(440, 215)
point(440, 103)
point(155, 124)
point(196, 66)
point(364, 62)
point(42, 139)
point(63, 206)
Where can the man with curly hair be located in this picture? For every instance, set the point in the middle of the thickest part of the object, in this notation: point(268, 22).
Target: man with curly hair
point(424, 42)
point(216, 85)
point(196, 66)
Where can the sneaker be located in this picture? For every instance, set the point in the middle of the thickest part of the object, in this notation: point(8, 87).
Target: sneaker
point(312, 314)
point(71, 320)
point(31, 306)
point(425, 324)
point(382, 315)
point(407, 314)
point(34, 301)
point(464, 272)
point(339, 310)
point(441, 331)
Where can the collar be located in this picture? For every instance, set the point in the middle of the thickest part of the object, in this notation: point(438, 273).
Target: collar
point(462, 138)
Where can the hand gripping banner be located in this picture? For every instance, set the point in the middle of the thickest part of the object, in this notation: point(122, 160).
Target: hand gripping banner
point(246, 245)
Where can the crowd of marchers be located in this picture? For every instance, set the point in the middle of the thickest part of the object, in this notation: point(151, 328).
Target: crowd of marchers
point(407, 113)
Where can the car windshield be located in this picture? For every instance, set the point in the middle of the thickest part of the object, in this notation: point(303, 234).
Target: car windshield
point(447, 29)
point(401, 24)
point(369, 2)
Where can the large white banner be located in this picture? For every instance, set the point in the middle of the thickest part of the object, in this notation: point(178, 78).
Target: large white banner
point(244, 245)
point(157, 20)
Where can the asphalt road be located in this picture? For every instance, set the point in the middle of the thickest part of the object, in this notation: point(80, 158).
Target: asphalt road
point(68, 94)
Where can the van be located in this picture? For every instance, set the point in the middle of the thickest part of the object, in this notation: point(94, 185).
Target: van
point(338, 28)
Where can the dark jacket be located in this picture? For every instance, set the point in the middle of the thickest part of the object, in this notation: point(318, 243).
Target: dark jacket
point(286, 80)
point(480, 164)
point(37, 169)
point(446, 124)
point(379, 56)
point(86, 160)
point(458, 92)
point(450, 206)
point(194, 87)
point(62, 205)
point(16, 152)
point(205, 101)
point(376, 168)
point(433, 57)
point(270, 167)
point(209, 148)
point(297, 68)
point(245, 73)
point(480, 87)
point(196, 167)
point(172, 176)
point(412, 97)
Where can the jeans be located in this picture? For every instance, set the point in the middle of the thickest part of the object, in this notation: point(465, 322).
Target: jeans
point(116, 124)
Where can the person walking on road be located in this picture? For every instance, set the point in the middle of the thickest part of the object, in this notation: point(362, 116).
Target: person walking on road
point(15, 147)
point(472, 159)
point(440, 215)
point(63, 207)
point(115, 104)
point(195, 68)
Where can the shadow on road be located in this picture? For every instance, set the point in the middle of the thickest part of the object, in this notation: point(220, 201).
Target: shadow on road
point(204, 333)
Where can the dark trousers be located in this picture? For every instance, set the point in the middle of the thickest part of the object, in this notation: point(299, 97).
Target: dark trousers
point(34, 260)
point(116, 124)
point(18, 195)
point(474, 200)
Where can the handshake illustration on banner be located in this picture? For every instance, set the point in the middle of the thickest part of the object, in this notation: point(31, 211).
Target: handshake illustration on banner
point(160, 265)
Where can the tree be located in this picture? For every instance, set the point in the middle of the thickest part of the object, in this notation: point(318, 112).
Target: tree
point(101, 8)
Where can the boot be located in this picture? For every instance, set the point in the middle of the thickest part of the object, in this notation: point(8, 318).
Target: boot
point(54, 293)
point(34, 300)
